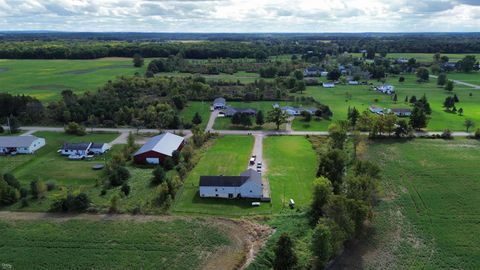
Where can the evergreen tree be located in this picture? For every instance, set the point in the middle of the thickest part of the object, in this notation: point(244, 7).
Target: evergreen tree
point(285, 257)
point(449, 86)
point(259, 118)
point(418, 118)
point(442, 79)
point(197, 119)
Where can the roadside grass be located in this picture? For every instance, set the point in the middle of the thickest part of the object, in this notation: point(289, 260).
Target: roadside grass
point(45, 79)
point(202, 107)
point(228, 155)
point(291, 168)
point(361, 97)
point(80, 244)
point(428, 216)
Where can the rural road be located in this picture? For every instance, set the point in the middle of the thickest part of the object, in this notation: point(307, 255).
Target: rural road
point(460, 82)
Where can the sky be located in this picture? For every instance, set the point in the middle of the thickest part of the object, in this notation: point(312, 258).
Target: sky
point(241, 15)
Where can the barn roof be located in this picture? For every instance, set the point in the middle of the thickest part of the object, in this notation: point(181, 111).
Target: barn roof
point(231, 181)
point(17, 141)
point(164, 143)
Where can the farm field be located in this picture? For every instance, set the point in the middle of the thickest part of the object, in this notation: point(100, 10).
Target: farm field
point(343, 96)
point(428, 217)
point(228, 155)
point(426, 57)
point(45, 79)
point(242, 76)
point(292, 165)
point(80, 244)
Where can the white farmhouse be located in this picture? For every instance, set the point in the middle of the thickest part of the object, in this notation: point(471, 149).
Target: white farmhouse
point(386, 89)
point(328, 85)
point(247, 185)
point(20, 144)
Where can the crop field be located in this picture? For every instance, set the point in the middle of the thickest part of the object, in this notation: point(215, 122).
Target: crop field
point(45, 79)
point(228, 155)
point(343, 96)
point(426, 57)
point(85, 244)
point(242, 76)
point(292, 165)
point(428, 217)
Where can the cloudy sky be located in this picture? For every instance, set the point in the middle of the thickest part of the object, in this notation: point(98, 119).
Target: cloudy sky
point(241, 15)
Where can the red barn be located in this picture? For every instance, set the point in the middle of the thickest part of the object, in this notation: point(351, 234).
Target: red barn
point(155, 150)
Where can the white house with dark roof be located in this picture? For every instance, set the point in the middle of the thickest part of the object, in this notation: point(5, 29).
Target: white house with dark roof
point(401, 112)
point(155, 150)
point(20, 144)
point(247, 185)
point(376, 109)
point(328, 85)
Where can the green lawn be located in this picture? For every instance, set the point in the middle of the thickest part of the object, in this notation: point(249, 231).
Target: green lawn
point(292, 165)
point(228, 155)
point(203, 108)
point(473, 77)
point(80, 244)
point(362, 97)
point(428, 217)
point(45, 79)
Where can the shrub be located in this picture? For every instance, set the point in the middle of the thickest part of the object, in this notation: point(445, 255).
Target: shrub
point(446, 134)
point(51, 186)
point(118, 176)
point(75, 129)
point(168, 163)
point(125, 189)
point(23, 192)
point(158, 176)
point(24, 203)
point(103, 192)
point(477, 134)
point(71, 203)
point(38, 189)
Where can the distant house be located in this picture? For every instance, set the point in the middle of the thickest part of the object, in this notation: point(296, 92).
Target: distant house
point(375, 109)
point(84, 148)
point(80, 149)
point(328, 85)
point(386, 89)
point(293, 111)
point(155, 150)
point(20, 144)
point(353, 83)
point(230, 111)
point(324, 73)
point(401, 112)
point(401, 61)
point(99, 148)
point(219, 103)
point(247, 185)
point(312, 71)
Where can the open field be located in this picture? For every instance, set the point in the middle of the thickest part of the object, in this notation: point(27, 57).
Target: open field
point(428, 217)
point(203, 108)
point(124, 244)
point(363, 96)
point(228, 155)
point(426, 57)
point(473, 77)
point(45, 79)
point(242, 76)
point(292, 165)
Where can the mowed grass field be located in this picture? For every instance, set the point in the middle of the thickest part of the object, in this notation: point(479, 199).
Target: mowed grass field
point(228, 155)
point(203, 108)
point(428, 217)
point(473, 77)
point(84, 244)
point(45, 79)
point(292, 166)
point(361, 97)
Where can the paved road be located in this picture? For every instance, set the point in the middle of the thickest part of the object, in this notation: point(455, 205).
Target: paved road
point(462, 83)
point(188, 133)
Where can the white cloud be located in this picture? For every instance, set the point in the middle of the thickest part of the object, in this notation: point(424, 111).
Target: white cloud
point(241, 15)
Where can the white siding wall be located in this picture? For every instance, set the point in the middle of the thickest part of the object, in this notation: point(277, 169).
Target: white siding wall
point(223, 192)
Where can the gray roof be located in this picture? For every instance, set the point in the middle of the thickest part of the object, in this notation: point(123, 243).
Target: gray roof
point(219, 100)
point(401, 110)
point(164, 143)
point(76, 146)
point(231, 181)
point(17, 141)
point(97, 145)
